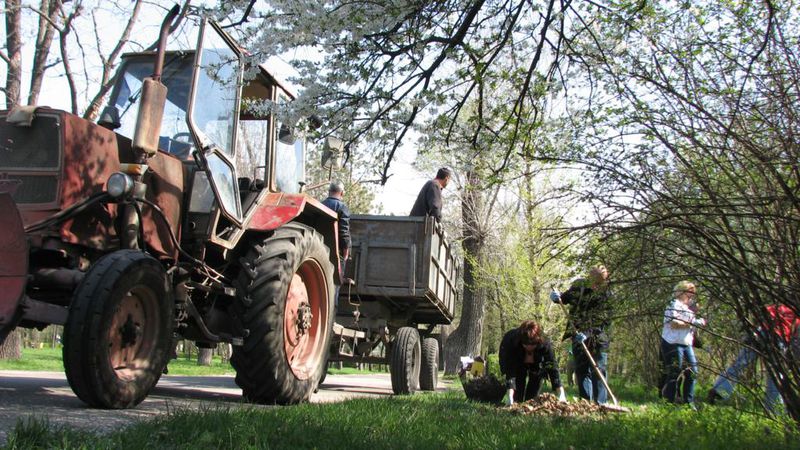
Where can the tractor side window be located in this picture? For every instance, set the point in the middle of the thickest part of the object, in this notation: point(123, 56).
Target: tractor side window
point(251, 148)
point(289, 160)
point(215, 99)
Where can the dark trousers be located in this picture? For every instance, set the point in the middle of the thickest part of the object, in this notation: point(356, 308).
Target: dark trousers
point(679, 360)
point(522, 391)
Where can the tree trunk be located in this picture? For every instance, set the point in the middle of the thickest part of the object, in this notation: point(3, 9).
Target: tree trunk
point(14, 55)
point(107, 81)
point(44, 39)
point(204, 356)
point(12, 346)
point(65, 61)
point(466, 339)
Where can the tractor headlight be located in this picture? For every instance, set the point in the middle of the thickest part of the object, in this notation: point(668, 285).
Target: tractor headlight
point(119, 185)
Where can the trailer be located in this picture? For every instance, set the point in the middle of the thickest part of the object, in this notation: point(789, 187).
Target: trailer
point(399, 285)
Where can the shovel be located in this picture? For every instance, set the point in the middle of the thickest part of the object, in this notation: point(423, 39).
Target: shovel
point(616, 406)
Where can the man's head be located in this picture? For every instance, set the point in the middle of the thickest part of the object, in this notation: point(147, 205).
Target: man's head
point(336, 189)
point(443, 176)
point(598, 276)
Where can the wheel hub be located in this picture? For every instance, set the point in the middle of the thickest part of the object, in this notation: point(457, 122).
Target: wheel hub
point(304, 318)
point(129, 332)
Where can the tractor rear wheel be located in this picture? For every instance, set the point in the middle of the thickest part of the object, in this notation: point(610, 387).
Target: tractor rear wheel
point(118, 333)
point(429, 372)
point(285, 300)
point(405, 361)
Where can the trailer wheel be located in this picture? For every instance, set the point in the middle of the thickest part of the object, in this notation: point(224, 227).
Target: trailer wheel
point(285, 300)
point(118, 335)
point(429, 373)
point(405, 361)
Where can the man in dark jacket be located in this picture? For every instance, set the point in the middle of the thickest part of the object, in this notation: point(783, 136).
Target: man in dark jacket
point(591, 315)
point(526, 353)
point(335, 203)
point(429, 199)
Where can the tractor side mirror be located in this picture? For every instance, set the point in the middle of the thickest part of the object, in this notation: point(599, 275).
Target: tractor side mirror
point(109, 118)
point(286, 135)
point(332, 153)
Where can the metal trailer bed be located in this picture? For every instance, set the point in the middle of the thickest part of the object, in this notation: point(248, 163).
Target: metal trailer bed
point(405, 262)
point(399, 284)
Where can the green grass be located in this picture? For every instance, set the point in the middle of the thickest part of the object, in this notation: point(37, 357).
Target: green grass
point(422, 421)
point(352, 371)
point(426, 421)
point(40, 359)
point(49, 359)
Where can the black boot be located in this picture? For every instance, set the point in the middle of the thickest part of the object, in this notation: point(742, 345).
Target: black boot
point(713, 396)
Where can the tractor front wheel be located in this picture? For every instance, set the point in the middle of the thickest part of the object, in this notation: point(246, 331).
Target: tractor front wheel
point(118, 333)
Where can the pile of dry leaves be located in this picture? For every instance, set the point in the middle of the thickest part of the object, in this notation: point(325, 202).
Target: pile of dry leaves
point(548, 405)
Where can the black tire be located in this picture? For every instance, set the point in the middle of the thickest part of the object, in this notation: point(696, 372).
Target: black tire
point(118, 335)
point(283, 356)
point(406, 356)
point(429, 372)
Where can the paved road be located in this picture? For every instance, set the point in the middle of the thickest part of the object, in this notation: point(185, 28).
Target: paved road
point(39, 394)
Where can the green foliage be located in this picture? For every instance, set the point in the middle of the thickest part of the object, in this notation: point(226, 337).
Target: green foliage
point(426, 421)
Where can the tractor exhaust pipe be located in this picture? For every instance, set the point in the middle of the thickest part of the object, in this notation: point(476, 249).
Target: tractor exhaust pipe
point(162, 42)
point(154, 97)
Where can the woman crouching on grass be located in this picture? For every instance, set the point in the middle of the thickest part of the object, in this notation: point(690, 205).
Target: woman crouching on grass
point(525, 353)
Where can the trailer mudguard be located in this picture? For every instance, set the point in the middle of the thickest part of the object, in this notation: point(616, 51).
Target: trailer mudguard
point(13, 264)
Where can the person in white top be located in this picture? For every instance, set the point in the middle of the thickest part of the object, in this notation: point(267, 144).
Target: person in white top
point(677, 336)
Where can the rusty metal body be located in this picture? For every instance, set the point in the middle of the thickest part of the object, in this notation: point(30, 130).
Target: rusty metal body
point(55, 163)
point(166, 220)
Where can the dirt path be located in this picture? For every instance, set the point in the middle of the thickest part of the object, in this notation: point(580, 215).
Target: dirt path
point(47, 394)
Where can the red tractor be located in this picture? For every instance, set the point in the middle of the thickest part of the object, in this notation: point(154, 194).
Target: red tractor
point(179, 214)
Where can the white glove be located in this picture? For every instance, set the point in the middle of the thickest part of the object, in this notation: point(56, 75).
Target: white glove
point(699, 321)
point(562, 396)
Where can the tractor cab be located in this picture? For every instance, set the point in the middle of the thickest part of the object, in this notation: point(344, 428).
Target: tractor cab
point(231, 160)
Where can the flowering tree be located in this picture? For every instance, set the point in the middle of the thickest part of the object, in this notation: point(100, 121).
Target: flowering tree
point(680, 114)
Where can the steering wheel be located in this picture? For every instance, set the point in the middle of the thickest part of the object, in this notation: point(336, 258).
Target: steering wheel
point(183, 136)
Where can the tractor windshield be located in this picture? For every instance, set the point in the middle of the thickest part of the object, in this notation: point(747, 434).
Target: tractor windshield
point(177, 76)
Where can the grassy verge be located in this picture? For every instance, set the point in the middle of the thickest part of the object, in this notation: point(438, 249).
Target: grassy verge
point(49, 359)
point(427, 421)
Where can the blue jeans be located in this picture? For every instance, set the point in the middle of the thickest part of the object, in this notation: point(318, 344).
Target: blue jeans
point(679, 359)
point(589, 385)
point(727, 381)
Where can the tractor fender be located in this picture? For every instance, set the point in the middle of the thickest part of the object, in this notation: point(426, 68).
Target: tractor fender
point(13, 264)
point(278, 208)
